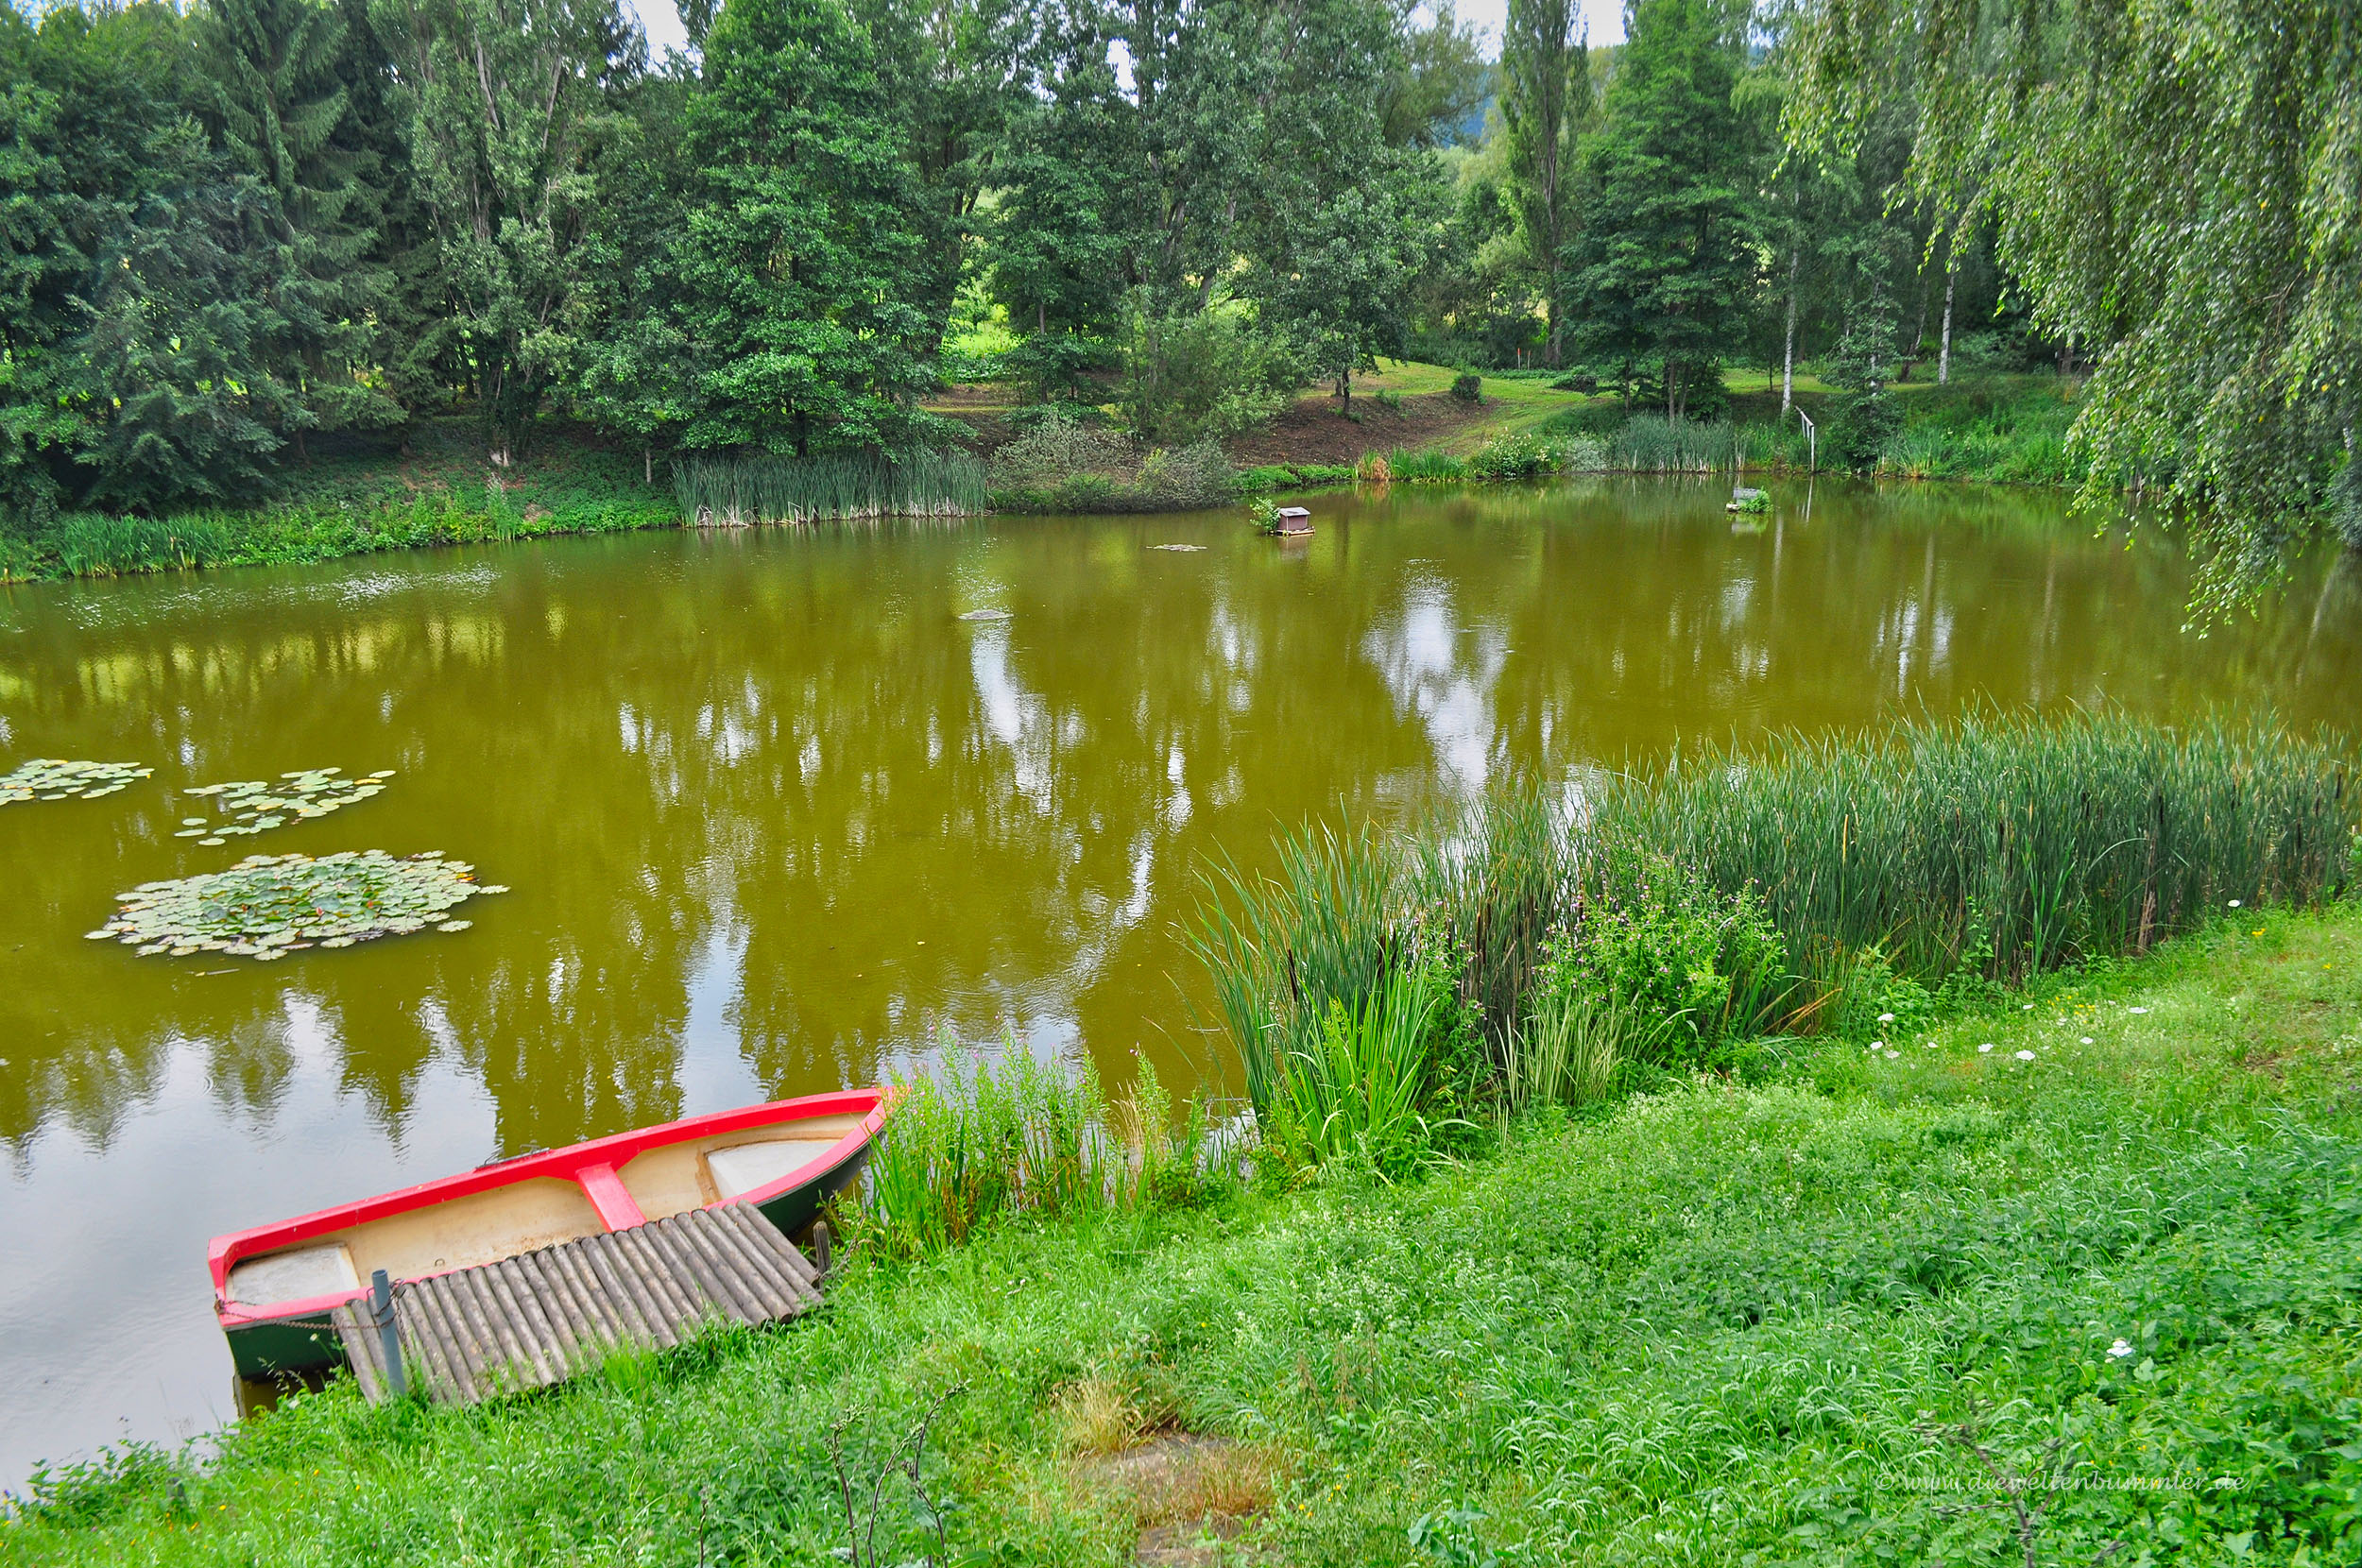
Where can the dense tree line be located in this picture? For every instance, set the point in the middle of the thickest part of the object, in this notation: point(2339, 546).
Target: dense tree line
point(229, 230)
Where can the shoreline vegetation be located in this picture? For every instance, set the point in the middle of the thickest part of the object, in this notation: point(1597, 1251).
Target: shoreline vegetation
point(435, 490)
point(1806, 1154)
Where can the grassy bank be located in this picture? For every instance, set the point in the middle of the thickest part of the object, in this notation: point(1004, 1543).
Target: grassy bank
point(364, 495)
point(1888, 1201)
point(1724, 1323)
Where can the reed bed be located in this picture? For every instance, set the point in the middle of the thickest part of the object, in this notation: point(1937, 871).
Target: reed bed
point(737, 492)
point(2004, 845)
point(1673, 916)
point(973, 1142)
point(1650, 443)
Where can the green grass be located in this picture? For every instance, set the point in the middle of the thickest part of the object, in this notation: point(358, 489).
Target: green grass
point(1722, 1324)
point(361, 496)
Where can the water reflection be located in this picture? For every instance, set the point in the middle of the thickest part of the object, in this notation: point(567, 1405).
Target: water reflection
point(778, 818)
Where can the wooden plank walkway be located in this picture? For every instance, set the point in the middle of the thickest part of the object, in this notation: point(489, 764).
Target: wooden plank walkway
point(540, 1318)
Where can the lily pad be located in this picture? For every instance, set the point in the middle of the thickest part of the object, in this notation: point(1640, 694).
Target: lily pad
point(269, 906)
point(58, 779)
point(259, 804)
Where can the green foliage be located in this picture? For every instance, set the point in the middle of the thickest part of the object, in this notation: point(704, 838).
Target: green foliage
point(2172, 186)
point(1467, 389)
point(1545, 104)
point(1424, 466)
point(1351, 1096)
point(794, 138)
point(1650, 443)
point(1861, 430)
point(736, 492)
point(1065, 464)
point(1698, 967)
point(1203, 376)
point(1670, 231)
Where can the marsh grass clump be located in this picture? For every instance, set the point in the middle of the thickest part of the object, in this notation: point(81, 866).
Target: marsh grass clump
point(2003, 845)
point(736, 492)
point(975, 1141)
point(1677, 919)
point(1650, 443)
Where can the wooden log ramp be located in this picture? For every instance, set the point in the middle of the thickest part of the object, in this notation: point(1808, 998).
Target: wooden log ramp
point(543, 1317)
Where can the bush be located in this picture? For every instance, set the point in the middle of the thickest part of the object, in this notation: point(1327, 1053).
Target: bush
point(1058, 447)
point(1193, 477)
point(1203, 376)
point(1656, 938)
point(1512, 457)
point(1862, 428)
point(1467, 389)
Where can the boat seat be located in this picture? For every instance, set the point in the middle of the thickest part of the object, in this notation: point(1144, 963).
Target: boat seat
point(742, 1167)
point(294, 1275)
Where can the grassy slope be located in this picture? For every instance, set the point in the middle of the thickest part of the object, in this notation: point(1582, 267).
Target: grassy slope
point(1706, 1327)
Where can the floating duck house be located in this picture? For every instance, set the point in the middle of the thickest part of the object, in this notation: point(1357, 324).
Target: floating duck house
point(1295, 519)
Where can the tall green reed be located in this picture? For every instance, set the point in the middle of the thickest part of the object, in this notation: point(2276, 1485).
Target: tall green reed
point(974, 1142)
point(1355, 1092)
point(746, 492)
point(2003, 845)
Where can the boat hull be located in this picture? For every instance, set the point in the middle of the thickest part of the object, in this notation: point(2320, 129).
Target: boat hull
point(541, 1199)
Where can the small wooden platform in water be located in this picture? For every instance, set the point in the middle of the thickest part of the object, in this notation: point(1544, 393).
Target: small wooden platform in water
point(540, 1318)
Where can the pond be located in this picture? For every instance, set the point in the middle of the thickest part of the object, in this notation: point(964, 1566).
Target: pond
point(782, 811)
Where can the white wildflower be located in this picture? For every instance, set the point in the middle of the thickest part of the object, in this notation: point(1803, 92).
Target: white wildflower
point(2118, 1350)
point(1986, 1047)
point(2026, 1056)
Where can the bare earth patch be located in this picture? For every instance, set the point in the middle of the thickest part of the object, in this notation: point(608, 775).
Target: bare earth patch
point(1189, 1493)
point(1314, 429)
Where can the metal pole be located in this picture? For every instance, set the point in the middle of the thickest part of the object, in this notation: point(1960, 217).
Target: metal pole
point(382, 1314)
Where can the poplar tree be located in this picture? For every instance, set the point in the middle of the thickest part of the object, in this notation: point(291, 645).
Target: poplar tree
point(1545, 101)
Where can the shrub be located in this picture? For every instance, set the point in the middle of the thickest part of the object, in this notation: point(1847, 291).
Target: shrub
point(1650, 935)
point(1203, 376)
point(1859, 434)
point(1057, 447)
point(1195, 476)
point(1512, 457)
point(1467, 389)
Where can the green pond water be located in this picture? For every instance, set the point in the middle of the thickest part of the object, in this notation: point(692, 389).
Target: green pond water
point(783, 811)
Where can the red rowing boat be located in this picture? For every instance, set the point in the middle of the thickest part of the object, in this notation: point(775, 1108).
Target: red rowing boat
point(275, 1286)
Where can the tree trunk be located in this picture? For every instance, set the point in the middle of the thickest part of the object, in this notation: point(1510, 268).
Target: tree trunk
point(1944, 354)
point(647, 465)
point(1788, 363)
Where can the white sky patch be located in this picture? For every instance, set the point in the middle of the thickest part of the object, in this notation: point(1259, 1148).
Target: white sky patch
point(1607, 18)
point(661, 20)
